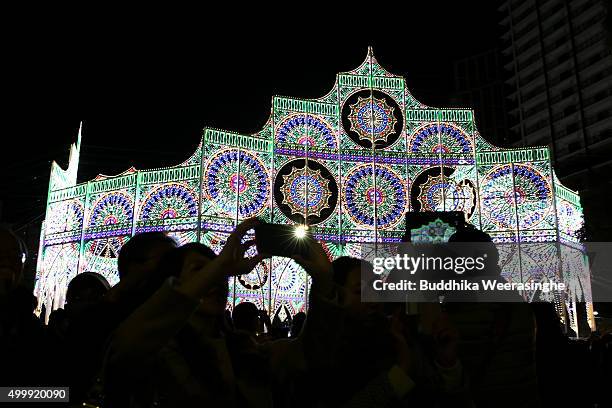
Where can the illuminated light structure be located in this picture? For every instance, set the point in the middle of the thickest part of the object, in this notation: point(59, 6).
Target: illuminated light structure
point(349, 165)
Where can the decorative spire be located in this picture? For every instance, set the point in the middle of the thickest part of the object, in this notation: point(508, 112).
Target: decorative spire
point(61, 178)
point(370, 51)
point(78, 142)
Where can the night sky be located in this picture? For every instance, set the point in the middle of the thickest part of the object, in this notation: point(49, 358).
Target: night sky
point(145, 88)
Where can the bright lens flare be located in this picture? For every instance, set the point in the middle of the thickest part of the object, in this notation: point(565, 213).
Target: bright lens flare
point(300, 231)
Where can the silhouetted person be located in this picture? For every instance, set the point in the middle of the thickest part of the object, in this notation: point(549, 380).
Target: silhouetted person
point(497, 339)
point(173, 350)
point(84, 289)
point(551, 344)
point(367, 358)
point(280, 326)
point(83, 294)
point(246, 318)
point(21, 332)
point(298, 322)
point(12, 259)
point(138, 266)
point(92, 322)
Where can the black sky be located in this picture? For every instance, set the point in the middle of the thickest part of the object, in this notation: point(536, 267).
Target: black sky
point(146, 87)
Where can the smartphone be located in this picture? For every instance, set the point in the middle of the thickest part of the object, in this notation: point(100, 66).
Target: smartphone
point(282, 240)
point(433, 227)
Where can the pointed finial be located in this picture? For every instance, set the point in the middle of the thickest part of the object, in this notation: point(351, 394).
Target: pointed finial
point(78, 142)
point(370, 51)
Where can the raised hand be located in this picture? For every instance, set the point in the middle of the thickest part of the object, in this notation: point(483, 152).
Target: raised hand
point(198, 277)
point(316, 262)
point(318, 266)
point(232, 257)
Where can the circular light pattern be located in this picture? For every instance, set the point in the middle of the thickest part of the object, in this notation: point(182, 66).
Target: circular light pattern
point(232, 177)
point(305, 193)
point(306, 130)
point(440, 193)
point(372, 118)
point(531, 193)
point(362, 190)
point(112, 208)
point(439, 138)
point(169, 201)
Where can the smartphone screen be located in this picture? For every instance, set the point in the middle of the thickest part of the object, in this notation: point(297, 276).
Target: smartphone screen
point(282, 240)
point(437, 231)
point(433, 227)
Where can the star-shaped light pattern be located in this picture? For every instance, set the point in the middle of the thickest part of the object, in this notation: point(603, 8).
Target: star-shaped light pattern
point(372, 119)
point(305, 191)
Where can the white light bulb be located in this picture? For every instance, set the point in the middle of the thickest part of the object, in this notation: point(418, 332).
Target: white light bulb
point(300, 231)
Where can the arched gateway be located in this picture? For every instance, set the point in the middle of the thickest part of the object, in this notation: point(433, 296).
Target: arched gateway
point(350, 164)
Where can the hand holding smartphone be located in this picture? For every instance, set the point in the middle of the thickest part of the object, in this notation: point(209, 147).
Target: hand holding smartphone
point(283, 240)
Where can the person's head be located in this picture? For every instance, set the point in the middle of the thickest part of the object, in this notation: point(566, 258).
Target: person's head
point(142, 253)
point(347, 278)
point(12, 258)
point(246, 317)
point(85, 289)
point(213, 303)
point(174, 264)
point(483, 245)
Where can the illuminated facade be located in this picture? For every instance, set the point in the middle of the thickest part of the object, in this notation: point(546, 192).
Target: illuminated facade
point(349, 164)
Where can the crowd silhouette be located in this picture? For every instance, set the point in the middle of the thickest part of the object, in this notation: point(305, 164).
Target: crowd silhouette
point(162, 337)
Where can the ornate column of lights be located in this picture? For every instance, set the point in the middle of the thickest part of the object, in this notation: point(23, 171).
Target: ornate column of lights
point(557, 238)
point(306, 185)
point(86, 214)
point(136, 202)
point(517, 231)
point(237, 215)
point(201, 188)
point(271, 199)
point(340, 232)
point(373, 151)
point(441, 158)
point(477, 203)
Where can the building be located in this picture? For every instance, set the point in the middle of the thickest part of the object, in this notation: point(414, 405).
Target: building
point(559, 68)
point(350, 165)
point(479, 84)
